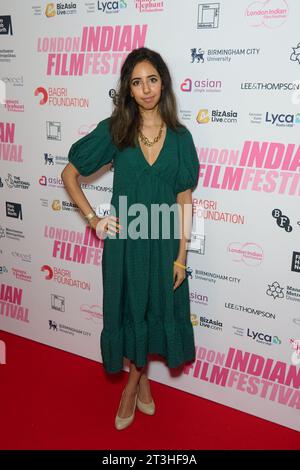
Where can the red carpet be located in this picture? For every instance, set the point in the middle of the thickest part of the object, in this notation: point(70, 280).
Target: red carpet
point(51, 399)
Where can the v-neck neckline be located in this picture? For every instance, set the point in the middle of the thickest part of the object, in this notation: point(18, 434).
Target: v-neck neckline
point(160, 152)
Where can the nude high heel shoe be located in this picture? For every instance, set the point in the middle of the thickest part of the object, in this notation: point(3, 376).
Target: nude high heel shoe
point(122, 423)
point(147, 408)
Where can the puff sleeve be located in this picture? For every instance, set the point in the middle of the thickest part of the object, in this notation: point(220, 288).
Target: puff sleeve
point(93, 150)
point(188, 170)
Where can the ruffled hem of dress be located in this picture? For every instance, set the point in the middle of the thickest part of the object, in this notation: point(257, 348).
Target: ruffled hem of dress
point(175, 343)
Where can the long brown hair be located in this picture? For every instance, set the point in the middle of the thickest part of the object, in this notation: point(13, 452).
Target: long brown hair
point(125, 119)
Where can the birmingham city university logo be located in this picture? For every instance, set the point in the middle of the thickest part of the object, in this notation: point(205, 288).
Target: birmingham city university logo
point(295, 56)
point(197, 55)
point(48, 159)
point(52, 325)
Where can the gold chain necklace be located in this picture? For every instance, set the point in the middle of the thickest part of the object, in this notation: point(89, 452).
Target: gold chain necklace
point(145, 139)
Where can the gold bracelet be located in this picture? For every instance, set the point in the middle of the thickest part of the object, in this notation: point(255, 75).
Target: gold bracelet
point(180, 265)
point(90, 215)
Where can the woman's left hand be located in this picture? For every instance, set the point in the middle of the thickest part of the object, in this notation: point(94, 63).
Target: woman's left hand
point(179, 276)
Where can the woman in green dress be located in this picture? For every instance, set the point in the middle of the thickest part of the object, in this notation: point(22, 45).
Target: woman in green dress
point(146, 306)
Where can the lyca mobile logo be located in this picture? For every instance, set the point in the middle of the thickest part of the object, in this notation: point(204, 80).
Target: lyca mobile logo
point(262, 337)
point(109, 7)
point(283, 120)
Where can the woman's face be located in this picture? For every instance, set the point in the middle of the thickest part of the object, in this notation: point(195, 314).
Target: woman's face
point(145, 85)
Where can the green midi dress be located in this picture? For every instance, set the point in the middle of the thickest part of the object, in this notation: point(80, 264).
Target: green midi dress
point(142, 314)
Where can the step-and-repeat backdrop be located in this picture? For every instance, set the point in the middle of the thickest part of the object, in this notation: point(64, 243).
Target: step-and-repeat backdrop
point(235, 67)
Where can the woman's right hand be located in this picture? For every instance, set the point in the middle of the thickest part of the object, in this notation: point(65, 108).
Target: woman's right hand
point(105, 225)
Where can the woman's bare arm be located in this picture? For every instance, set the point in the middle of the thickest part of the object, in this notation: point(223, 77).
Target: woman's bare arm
point(70, 176)
point(184, 199)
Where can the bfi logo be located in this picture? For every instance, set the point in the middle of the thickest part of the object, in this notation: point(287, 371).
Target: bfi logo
point(2, 353)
